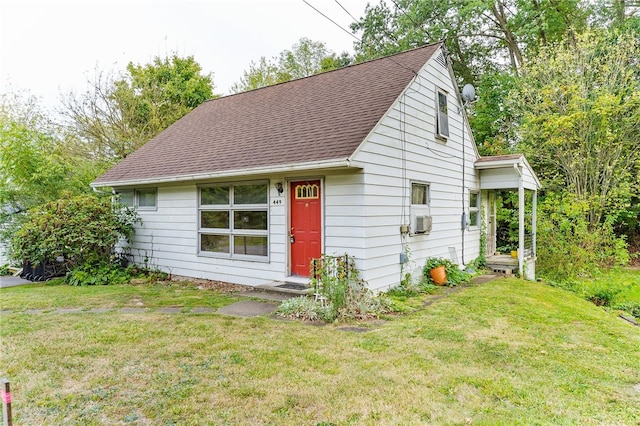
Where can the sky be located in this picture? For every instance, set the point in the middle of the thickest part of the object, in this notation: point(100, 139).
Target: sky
point(52, 47)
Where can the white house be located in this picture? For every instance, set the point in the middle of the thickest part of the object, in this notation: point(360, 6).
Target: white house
point(375, 160)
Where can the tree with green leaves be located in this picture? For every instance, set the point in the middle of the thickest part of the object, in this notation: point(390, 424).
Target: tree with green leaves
point(481, 36)
point(35, 166)
point(306, 57)
point(579, 107)
point(120, 113)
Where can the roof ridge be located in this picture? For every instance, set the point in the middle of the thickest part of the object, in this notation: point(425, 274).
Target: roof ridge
point(368, 61)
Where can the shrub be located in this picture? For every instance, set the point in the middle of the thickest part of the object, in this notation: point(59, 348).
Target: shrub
point(632, 308)
point(568, 246)
point(304, 308)
point(98, 275)
point(4, 269)
point(82, 230)
point(602, 295)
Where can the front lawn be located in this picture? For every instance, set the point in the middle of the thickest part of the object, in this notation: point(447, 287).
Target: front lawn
point(505, 352)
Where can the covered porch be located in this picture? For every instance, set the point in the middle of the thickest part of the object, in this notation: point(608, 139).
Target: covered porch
point(510, 173)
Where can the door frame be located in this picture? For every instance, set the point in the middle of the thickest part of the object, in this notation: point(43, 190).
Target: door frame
point(289, 181)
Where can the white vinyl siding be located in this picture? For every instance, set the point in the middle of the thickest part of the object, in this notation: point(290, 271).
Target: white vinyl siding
point(403, 148)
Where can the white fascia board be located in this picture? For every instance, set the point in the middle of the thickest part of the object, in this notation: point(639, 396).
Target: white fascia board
point(316, 165)
point(498, 164)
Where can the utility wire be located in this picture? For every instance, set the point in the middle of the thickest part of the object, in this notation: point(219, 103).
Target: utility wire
point(334, 22)
point(343, 8)
point(400, 64)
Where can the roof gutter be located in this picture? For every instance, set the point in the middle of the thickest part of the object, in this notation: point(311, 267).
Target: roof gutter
point(327, 164)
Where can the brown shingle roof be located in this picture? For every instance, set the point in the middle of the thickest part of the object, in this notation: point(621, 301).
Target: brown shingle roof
point(319, 118)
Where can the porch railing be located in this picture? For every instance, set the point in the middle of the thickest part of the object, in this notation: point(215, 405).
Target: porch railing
point(529, 249)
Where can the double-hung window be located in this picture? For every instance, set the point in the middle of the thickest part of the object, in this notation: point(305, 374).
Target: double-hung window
point(442, 115)
point(233, 220)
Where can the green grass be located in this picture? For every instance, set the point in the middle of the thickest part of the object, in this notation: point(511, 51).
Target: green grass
point(58, 295)
point(507, 352)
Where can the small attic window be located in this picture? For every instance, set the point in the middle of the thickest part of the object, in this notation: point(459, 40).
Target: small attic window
point(442, 116)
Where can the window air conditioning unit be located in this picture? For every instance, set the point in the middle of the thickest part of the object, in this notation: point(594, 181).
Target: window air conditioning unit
point(423, 224)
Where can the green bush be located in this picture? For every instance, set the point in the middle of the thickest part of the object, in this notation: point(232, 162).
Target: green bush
point(632, 308)
point(4, 269)
point(99, 275)
point(78, 231)
point(306, 309)
point(568, 247)
point(602, 295)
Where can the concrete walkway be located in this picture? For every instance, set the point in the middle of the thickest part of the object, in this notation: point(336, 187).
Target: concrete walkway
point(11, 281)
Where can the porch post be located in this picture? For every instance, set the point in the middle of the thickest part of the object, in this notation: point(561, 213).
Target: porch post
point(521, 227)
point(534, 226)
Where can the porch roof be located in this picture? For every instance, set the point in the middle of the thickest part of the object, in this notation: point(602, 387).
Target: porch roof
point(506, 172)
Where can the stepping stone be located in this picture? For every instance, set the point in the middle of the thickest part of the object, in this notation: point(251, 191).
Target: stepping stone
point(33, 311)
point(248, 308)
point(99, 310)
point(203, 310)
point(133, 310)
point(68, 311)
point(5, 312)
point(169, 310)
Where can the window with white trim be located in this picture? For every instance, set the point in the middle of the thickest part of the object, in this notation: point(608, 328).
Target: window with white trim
point(442, 115)
point(142, 199)
point(474, 208)
point(233, 220)
point(420, 193)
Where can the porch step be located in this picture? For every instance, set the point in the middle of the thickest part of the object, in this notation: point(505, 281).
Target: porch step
point(503, 270)
point(288, 288)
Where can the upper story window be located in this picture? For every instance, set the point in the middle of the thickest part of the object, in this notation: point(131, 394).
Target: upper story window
point(233, 220)
point(442, 117)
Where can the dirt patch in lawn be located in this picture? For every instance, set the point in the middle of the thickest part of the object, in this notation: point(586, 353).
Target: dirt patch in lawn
point(220, 286)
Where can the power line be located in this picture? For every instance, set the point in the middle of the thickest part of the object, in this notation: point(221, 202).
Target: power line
point(354, 19)
point(334, 22)
point(400, 64)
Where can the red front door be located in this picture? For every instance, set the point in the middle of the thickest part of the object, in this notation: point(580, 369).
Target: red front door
point(305, 235)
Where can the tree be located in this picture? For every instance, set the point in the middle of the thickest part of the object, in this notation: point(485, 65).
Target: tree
point(480, 36)
point(580, 118)
point(34, 166)
point(306, 58)
point(119, 113)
